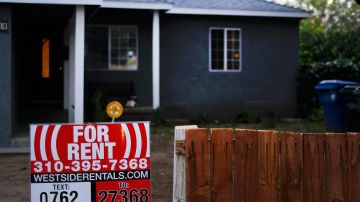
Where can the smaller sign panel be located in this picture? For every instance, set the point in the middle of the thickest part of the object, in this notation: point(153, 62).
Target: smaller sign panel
point(114, 109)
point(90, 162)
point(74, 191)
point(4, 25)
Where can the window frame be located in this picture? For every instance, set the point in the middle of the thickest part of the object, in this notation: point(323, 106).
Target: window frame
point(108, 26)
point(225, 29)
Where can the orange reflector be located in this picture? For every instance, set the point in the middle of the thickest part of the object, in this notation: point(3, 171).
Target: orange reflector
point(45, 58)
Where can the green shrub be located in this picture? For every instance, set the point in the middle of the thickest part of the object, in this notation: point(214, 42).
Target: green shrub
point(325, 54)
point(306, 94)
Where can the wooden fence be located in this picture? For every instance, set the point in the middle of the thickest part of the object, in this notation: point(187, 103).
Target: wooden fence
point(225, 165)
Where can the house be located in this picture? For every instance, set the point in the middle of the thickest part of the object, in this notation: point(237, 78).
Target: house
point(213, 59)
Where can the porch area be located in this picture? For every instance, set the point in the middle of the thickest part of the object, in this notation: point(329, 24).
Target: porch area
point(58, 67)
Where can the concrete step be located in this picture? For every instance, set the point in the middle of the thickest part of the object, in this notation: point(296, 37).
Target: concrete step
point(15, 150)
point(19, 145)
point(20, 142)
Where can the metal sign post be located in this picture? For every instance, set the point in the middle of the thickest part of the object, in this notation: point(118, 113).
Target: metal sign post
point(114, 110)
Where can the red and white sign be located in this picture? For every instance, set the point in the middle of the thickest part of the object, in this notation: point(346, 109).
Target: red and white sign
point(90, 162)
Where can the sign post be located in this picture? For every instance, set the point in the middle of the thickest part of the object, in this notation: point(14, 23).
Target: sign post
point(114, 110)
point(90, 162)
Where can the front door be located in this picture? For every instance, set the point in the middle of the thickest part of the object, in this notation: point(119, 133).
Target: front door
point(39, 61)
point(45, 68)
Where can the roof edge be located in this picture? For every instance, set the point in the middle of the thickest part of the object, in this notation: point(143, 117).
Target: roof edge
point(230, 12)
point(133, 5)
point(64, 2)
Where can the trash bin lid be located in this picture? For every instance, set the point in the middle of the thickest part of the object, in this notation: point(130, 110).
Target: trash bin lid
point(334, 84)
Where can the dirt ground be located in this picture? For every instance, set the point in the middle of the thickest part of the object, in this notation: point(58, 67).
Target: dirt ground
point(14, 169)
point(15, 174)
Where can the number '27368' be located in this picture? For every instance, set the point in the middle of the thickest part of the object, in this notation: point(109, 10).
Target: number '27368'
point(133, 195)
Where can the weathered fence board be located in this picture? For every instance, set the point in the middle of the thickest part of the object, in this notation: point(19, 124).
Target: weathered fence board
point(335, 167)
point(246, 162)
point(228, 165)
point(291, 186)
point(179, 165)
point(314, 168)
point(197, 165)
point(221, 165)
point(268, 165)
point(353, 141)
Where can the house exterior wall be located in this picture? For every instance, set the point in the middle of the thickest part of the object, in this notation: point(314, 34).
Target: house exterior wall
point(6, 82)
point(142, 78)
point(265, 84)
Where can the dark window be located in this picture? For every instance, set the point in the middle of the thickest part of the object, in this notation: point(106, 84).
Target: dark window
point(111, 47)
point(96, 47)
point(225, 49)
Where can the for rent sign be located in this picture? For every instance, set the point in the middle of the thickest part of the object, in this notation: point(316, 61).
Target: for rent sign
point(90, 162)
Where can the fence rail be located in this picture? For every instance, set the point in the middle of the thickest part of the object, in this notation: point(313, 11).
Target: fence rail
point(248, 165)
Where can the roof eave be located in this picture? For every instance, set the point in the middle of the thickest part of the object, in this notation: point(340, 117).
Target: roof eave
point(133, 5)
point(63, 2)
point(229, 12)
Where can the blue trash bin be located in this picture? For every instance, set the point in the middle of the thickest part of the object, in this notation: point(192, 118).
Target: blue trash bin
point(338, 100)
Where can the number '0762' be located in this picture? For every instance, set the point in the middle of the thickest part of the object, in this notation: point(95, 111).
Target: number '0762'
point(55, 196)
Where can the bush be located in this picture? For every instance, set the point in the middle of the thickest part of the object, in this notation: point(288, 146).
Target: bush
point(338, 69)
point(325, 54)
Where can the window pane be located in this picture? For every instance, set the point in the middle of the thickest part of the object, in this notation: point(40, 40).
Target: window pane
point(132, 43)
point(124, 42)
point(124, 32)
point(123, 61)
point(230, 65)
point(236, 55)
point(236, 65)
point(115, 53)
point(96, 47)
point(236, 35)
point(230, 45)
point(217, 49)
point(236, 45)
point(230, 35)
point(124, 54)
point(233, 50)
point(218, 64)
point(115, 42)
point(230, 55)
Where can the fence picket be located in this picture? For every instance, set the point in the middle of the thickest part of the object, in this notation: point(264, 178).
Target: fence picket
point(268, 161)
point(197, 165)
point(264, 166)
point(246, 160)
point(179, 193)
point(335, 167)
point(291, 186)
point(314, 168)
point(353, 142)
point(221, 165)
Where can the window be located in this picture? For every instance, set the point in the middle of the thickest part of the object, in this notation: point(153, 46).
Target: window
point(111, 48)
point(225, 49)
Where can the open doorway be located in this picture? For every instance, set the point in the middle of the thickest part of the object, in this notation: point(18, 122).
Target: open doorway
point(44, 68)
point(39, 56)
